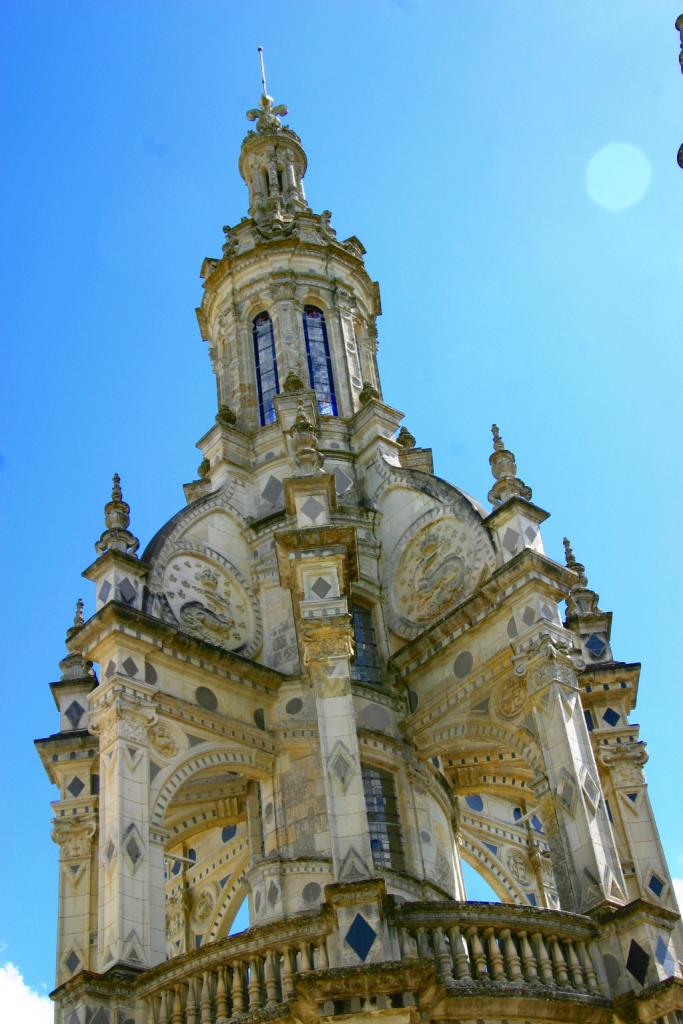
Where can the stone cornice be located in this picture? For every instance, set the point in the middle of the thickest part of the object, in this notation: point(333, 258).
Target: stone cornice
point(162, 637)
point(527, 568)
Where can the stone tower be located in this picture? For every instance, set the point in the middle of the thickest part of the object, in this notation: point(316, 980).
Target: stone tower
point(327, 681)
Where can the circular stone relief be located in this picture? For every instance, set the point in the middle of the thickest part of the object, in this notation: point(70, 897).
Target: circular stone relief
point(311, 893)
point(435, 565)
point(210, 600)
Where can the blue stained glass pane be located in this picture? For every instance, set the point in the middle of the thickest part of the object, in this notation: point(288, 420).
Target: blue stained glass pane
point(266, 366)
point(319, 362)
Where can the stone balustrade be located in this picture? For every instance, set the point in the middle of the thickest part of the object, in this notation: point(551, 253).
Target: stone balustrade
point(498, 945)
point(242, 974)
point(501, 944)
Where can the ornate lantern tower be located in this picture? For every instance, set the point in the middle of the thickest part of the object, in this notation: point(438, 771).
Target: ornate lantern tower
point(326, 681)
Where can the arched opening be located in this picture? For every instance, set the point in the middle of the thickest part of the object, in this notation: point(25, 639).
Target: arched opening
point(319, 361)
point(265, 363)
point(476, 886)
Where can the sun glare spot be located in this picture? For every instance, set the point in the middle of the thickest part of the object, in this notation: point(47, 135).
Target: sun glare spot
point(618, 176)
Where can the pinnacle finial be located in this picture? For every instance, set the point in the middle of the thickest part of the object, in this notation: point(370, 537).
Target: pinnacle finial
point(78, 617)
point(581, 600)
point(504, 468)
point(117, 536)
point(498, 445)
point(267, 116)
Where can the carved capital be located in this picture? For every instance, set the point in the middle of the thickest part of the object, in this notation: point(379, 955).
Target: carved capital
point(74, 836)
point(122, 719)
point(548, 662)
point(328, 641)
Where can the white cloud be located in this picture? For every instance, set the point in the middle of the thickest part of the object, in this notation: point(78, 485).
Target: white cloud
point(678, 889)
point(19, 1002)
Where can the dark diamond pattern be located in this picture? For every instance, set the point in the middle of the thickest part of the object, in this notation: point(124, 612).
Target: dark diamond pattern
point(76, 786)
point(127, 590)
point(637, 962)
point(596, 645)
point(72, 961)
point(321, 588)
point(361, 937)
point(611, 716)
point(656, 885)
point(133, 850)
point(312, 508)
point(272, 492)
point(129, 667)
point(74, 713)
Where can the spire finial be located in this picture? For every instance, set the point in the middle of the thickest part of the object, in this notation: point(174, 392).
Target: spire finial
point(264, 89)
point(117, 536)
point(581, 600)
point(267, 116)
point(78, 617)
point(498, 445)
point(504, 468)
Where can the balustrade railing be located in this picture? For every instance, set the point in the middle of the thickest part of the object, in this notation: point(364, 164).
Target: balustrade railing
point(243, 974)
point(469, 943)
point(493, 943)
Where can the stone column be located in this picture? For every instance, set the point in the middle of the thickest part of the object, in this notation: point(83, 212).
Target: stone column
point(583, 850)
point(77, 873)
point(327, 647)
point(131, 859)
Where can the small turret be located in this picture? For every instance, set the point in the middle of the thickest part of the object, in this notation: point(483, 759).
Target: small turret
point(504, 468)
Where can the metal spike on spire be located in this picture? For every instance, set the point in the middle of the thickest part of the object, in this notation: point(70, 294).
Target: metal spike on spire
point(267, 116)
point(263, 71)
point(581, 600)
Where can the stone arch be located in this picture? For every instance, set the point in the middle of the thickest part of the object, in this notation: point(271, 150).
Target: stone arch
point(248, 762)
point(514, 738)
point(484, 864)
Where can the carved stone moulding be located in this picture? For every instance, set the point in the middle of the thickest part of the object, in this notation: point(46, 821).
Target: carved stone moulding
point(210, 599)
point(435, 565)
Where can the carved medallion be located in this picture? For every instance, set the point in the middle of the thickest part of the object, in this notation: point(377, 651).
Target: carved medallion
point(435, 565)
point(512, 699)
point(163, 740)
point(518, 867)
point(210, 601)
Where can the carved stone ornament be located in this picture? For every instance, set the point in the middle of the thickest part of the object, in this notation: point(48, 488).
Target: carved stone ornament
point(210, 601)
point(204, 905)
point(121, 724)
point(512, 698)
point(74, 837)
point(435, 565)
point(518, 867)
point(163, 740)
point(327, 642)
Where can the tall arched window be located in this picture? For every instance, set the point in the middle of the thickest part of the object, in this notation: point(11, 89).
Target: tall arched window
point(319, 362)
point(383, 817)
point(266, 366)
point(366, 664)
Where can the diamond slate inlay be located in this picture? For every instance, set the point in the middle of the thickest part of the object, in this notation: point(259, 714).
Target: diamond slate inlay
point(656, 885)
point(127, 590)
point(664, 957)
point(529, 615)
point(510, 540)
point(76, 786)
point(611, 716)
point(74, 713)
point(272, 492)
point(129, 667)
point(360, 937)
point(105, 590)
point(133, 850)
point(596, 645)
point(321, 588)
point(312, 508)
point(637, 962)
point(72, 961)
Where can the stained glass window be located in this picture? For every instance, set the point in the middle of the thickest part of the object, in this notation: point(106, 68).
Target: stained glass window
point(319, 362)
point(266, 366)
point(366, 665)
point(383, 818)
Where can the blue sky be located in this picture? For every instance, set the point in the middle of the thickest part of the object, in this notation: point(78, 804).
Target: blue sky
point(455, 139)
